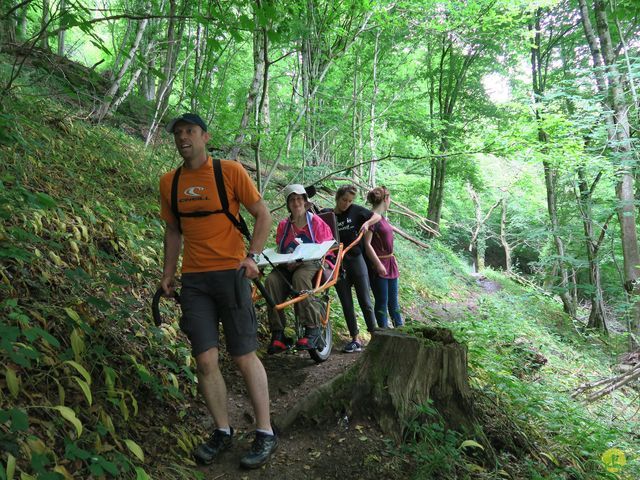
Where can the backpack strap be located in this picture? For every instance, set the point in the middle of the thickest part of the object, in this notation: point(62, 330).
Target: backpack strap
point(239, 223)
point(174, 197)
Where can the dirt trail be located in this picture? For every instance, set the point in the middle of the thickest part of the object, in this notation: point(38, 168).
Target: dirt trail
point(337, 448)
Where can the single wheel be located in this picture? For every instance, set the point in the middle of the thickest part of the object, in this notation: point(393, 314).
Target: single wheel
point(325, 342)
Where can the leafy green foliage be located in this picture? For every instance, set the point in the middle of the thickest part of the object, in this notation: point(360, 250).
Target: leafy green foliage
point(525, 360)
point(84, 368)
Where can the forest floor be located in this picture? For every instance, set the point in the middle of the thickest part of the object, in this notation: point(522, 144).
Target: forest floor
point(336, 448)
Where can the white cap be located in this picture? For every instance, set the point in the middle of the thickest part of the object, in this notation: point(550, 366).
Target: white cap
point(294, 188)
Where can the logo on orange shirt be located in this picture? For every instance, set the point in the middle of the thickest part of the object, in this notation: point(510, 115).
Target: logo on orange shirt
point(193, 191)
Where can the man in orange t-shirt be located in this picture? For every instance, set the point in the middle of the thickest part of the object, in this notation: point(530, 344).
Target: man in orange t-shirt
point(213, 288)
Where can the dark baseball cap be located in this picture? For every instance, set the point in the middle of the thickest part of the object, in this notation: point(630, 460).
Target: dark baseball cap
point(189, 118)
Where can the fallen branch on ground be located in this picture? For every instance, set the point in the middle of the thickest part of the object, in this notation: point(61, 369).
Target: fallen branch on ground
point(610, 384)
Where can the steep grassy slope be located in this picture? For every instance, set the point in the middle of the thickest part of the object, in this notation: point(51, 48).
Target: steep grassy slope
point(84, 374)
point(526, 358)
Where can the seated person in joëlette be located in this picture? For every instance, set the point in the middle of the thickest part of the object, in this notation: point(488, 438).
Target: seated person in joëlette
point(301, 226)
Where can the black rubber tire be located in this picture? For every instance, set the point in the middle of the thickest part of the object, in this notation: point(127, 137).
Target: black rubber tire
point(320, 355)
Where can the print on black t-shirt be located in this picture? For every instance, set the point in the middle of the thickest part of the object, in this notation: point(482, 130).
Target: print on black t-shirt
point(349, 224)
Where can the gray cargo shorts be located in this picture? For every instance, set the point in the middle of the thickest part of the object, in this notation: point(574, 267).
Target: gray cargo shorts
point(208, 298)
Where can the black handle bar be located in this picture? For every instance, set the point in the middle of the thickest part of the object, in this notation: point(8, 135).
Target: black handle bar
point(155, 305)
point(259, 285)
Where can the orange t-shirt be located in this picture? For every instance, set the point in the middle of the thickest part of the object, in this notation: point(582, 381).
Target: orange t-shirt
point(212, 242)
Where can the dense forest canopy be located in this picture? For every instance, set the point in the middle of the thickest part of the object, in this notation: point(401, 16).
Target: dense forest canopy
point(506, 128)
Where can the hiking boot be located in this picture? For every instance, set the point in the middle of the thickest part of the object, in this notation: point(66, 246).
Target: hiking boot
point(261, 450)
point(352, 347)
point(278, 343)
point(219, 442)
point(310, 339)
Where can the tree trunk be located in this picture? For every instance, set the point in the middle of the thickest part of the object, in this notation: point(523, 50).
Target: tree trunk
point(106, 106)
point(344, 45)
point(552, 207)
point(146, 81)
point(597, 317)
point(625, 188)
point(436, 191)
point(44, 25)
point(200, 54)
point(503, 237)
point(260, 111)
point(21, 27)
point(478, 243)
point(538, 74)
point(7, 25)
point(170, 72)
point(125, 39)
point(372, 123)
point(451, 77)
point(61, 34)
point(260, 42)
point(118, 101)
point(355, 116)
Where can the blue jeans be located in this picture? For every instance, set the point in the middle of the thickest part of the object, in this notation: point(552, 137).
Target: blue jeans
point(385, 291)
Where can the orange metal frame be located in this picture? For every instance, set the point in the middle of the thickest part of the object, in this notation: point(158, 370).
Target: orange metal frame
point(319, 286)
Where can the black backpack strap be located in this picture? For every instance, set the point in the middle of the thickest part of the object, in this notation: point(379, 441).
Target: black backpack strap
point(174, 197)
point(224, 201)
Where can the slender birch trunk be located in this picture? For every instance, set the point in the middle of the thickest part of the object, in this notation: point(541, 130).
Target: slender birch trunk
point(61, 34)
point(372, 123)
point(259, 45)
point(106, 106)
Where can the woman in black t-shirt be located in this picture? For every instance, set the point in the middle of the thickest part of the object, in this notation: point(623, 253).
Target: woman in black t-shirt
point(352, 218)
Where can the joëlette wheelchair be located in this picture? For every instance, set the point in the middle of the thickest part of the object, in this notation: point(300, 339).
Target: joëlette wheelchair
point(329, 267)
point(327, 276)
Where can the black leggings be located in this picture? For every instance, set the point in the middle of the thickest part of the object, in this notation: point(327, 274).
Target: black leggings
point(358, 276)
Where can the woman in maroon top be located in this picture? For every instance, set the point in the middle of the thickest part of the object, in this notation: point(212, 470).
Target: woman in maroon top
point(383, 268)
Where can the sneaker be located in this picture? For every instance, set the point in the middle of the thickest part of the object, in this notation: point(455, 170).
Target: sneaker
point(352, 347)
point(261, 450)
point(219, 442)
point(278, 343)
point(310, 339)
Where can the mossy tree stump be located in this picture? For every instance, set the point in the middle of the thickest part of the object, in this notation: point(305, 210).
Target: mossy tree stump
point(401, 372)
point(397, 374)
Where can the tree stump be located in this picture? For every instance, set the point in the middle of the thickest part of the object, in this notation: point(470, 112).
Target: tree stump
point(400, 372)
point(397, 374)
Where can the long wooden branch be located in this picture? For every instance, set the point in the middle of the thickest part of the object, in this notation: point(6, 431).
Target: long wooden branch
point(409, 237)
point(420, 221)
point(611, 384)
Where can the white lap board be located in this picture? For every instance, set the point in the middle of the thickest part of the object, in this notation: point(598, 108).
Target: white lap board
point(304, 252)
